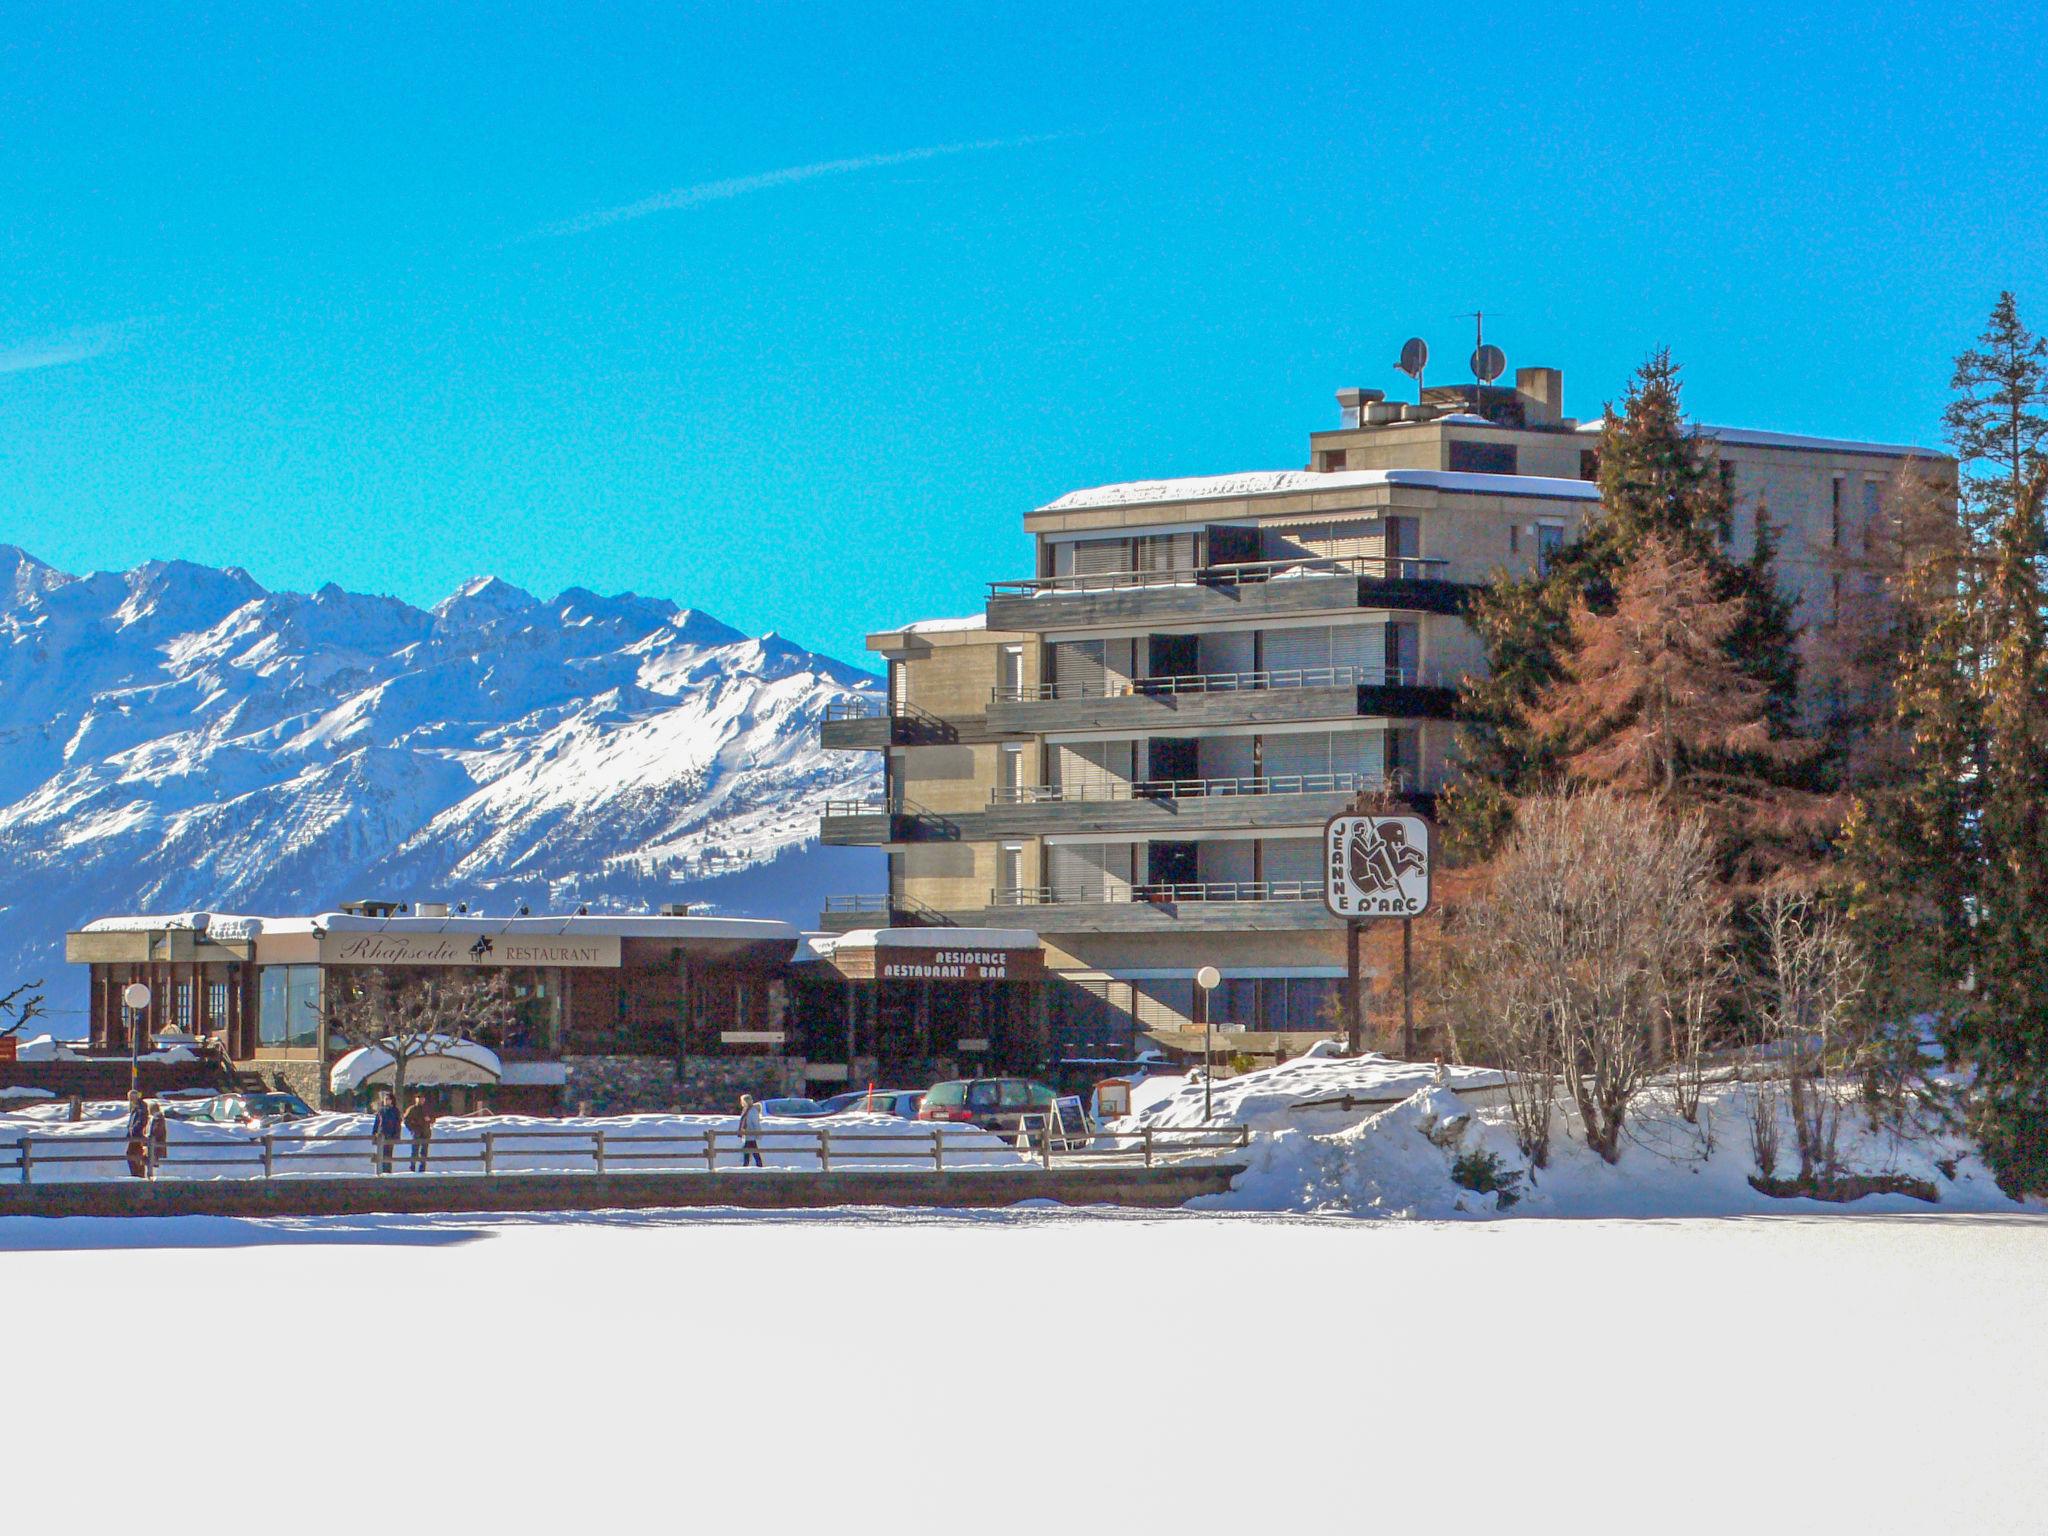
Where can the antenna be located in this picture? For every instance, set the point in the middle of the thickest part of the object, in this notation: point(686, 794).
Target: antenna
point(1414, 358)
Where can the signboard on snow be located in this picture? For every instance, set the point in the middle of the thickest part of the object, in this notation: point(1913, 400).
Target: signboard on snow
point(1376, 866)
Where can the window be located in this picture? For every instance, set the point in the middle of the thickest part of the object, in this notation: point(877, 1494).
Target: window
point(1873, 508)
point(1332, 459)
point(1514, 538)
point(1010, 766)
point(983, 1095)
point(1835, 514)
point(1481, 458)
point(1728, 497)
point(1010, 672)
point(1589, 463)
point(1010, 867)
point(181, 1006)
point(1549, 540)
point(1013, 1094)
point(216, 1006)
point(288, 1005)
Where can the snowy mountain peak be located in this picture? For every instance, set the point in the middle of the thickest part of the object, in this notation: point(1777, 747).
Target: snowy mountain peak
point(482, 600)
point(177, 738)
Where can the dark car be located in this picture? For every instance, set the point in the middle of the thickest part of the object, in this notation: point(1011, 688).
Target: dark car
point(996, 1104)
point(903, 1103)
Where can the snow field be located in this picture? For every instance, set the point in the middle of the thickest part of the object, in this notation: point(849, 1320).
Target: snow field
point(1027, 1370)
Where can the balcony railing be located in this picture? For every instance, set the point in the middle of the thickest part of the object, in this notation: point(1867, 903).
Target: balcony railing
point(1245, 573)
point(865, 707)
point(1156, 894)
point(1209, 682)
point(873, 806)
point(1197, 789)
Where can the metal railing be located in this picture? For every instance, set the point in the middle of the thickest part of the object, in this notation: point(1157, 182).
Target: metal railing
point(1243, 573)
point(862, 708)
point(873, 805)
point(500, 1153)
point(1197, 789)
point(1207, 682)
point(1156, 893)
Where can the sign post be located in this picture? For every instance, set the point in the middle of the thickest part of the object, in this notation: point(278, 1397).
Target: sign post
point(1207, 979)
point(1378, 866)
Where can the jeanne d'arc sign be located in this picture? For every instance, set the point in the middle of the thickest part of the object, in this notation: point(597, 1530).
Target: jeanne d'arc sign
point(470, 949)
point(1376, 866)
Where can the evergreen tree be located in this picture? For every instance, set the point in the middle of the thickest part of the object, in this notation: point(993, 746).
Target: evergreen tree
point(1657, 478)
point(1948, 851)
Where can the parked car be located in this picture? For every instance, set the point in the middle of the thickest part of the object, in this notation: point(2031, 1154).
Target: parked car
point(903, 1103)
point(792, 1108)
point(996, 1104)
point(251, 1109)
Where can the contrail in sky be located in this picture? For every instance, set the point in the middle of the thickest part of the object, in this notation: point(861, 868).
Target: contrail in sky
point(739, 186)
point(67, 347)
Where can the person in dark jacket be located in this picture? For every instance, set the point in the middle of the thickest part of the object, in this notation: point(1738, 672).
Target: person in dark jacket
point(419, 1125)
point(384, 1126)
point(159, 1137)
point(138, 1136)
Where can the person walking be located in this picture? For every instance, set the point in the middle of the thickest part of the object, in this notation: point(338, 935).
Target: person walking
point(138, 1136)
point(159, 1137)
point(384, 1131)
point(750, 1128)
point(419, 1125)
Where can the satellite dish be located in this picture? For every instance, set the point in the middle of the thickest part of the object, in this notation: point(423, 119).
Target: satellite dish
point(1488, 363)
point(1414, 357)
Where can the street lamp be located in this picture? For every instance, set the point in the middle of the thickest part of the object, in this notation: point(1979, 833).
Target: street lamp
point(134, 1000)
point(1208, 978)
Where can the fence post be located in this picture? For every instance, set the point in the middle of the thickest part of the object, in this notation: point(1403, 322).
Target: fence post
point(27, 1157)
point(711, 1149)
point(938, 1147)
point(490, 1153)
point(598, 1155)
point(1045, 1147)
point(824, 1149)
point(1148, 1146)
point(269, 1153)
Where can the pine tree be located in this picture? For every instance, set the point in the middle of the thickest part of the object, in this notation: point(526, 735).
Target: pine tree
point(1653, 700)
point(1657, 478)
point(1998, 421)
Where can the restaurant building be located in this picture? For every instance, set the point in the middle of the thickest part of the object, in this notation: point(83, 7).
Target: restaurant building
point(1132, 750)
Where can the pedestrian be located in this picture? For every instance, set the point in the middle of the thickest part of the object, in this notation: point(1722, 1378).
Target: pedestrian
point(750, 1126)
point(159, 1137)
point(419, 1124)
point(138, 1136)
point(384, 1130)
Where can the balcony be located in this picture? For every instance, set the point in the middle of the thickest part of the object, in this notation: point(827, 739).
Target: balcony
point(1209, 907)
point(875, 823)
point(869, 724)
point(1170, 704)
point(1246, 592)
point(1170, 807)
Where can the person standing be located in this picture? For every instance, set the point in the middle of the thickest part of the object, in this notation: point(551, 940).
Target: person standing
point(750, 1129)
point(138, 1136)
point(384, 1130)
point(419, 1125)
point(159, 1137)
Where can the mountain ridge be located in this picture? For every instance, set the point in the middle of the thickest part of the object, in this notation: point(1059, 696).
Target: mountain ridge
point(178, 737)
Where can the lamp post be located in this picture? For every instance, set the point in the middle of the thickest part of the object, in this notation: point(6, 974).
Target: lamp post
point(1208, 978)
point(134, 1000)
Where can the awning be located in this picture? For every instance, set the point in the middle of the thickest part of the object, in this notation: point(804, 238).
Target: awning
point(438, 1062)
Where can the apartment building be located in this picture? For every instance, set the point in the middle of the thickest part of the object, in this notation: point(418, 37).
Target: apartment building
point(1132, 750)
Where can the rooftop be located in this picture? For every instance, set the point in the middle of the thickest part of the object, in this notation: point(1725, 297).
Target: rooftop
point(1300, 482)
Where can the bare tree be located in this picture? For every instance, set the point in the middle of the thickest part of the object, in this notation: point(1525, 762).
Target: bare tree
point(1602, 930)
point(1807, 995)
point(24, 1003)
point(416, 1014)
point(1491, 985)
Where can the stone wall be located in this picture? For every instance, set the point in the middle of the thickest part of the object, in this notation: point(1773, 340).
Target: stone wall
point(308, 1079)
point(616, 1085)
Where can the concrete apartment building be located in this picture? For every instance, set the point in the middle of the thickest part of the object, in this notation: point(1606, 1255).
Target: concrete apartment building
point(1133, 749)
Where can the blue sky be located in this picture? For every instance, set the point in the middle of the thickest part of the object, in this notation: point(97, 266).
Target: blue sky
point(788, 312)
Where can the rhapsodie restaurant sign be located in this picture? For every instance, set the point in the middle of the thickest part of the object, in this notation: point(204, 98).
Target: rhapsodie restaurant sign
point(487, 949)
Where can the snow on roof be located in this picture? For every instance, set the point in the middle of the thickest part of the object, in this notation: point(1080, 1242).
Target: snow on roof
point(432, 1059)
point(624, 924)
point(939, 938)
point(1745, 437)
point(943, 626)
point(1298, 482)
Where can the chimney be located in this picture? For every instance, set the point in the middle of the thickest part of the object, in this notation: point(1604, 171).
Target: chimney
point(1351, 404)
point(1542, 392)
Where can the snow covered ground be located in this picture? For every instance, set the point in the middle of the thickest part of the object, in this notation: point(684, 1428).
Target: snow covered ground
point(860, 1370)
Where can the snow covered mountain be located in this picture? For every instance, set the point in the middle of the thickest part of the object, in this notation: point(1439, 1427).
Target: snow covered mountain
point(177, 738)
